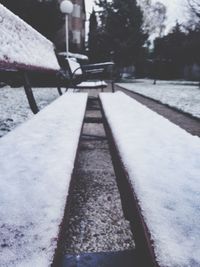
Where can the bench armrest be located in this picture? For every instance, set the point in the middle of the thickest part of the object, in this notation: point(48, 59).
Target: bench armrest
point(97, 66)
point(99, 70)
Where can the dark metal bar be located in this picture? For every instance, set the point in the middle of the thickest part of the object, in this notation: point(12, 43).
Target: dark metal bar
point(93, 120)
point(113, 86)
point(29, 94)
point(59, 90)
point(94, 137)
point(93, 109)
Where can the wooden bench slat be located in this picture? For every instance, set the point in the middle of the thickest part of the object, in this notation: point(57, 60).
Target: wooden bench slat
point(162, 168)
point(36, 164)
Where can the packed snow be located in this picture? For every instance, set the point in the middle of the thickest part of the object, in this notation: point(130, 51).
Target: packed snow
point(92, 84)
point(22, 44)
point(74, 55)
point(163, 163)
point(14, 107)
point(184, 96)
point(36, 163)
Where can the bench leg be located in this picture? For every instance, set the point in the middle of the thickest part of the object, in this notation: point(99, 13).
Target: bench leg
point(113, 86)
point(59, 90)
point(29, 94)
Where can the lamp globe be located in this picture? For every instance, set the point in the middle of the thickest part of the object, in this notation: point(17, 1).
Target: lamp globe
point(66, 7)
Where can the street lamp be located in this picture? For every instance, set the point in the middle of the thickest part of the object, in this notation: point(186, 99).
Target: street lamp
point(66, 8)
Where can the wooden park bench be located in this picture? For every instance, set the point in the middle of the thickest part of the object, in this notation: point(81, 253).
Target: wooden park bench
point(157, 165)
point(27, 58)
point(88, 76)
point(36, 162)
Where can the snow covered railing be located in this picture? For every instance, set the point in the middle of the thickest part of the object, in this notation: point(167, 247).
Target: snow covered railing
point(36, 165)
point(158, 169)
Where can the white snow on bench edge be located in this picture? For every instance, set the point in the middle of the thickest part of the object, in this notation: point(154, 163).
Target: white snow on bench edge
point(163, 162)
point(74, 66)
point(20, 43)
point(92, 84)
point(36, 163)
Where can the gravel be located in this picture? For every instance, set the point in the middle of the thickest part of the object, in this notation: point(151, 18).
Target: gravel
point(97, 223)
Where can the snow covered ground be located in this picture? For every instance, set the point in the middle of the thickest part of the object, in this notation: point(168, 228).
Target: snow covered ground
point(163, 163)
point(14, 107)
point(184, 96)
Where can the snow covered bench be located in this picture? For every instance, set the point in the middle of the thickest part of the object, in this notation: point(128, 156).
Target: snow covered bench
point(36, 165)
point(26, 56)
point(84, 76)
point(157, 165)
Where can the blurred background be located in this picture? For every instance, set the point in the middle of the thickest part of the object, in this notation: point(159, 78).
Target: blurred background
point(145, 38)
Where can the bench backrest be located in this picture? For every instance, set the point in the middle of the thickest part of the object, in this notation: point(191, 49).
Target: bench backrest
point(22, 47)
point(74, 67)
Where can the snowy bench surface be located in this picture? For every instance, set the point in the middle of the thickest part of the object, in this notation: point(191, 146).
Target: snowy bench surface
point(36, 163)
point(94, 84)
point(23, 47)
point(163, 164)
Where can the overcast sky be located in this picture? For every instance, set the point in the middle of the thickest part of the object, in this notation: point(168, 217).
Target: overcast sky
point(176, 10)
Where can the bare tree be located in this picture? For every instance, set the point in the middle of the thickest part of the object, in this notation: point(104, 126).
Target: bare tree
point(194, 6)
point(154, 17)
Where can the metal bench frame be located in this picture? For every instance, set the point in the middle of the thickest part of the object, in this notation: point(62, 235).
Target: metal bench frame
point(88, 72)
point(10, 71)
point(65, 77)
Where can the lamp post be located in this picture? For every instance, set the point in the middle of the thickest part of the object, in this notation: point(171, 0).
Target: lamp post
point(66, 8)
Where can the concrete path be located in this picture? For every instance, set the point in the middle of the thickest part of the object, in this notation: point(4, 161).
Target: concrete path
point(190, 124)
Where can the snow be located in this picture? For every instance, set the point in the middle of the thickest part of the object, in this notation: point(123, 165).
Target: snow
point(14, 107)
point(74, 55)
point(184, 96)
point(92, 84)
point(21, 44)
point(36, 163)
point(74, 66)
point(163, 163)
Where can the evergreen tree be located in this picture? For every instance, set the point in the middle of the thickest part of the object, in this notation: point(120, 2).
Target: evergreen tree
point(177, 49)
point(154, 17)
point(121, 31)
point(93, 38)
